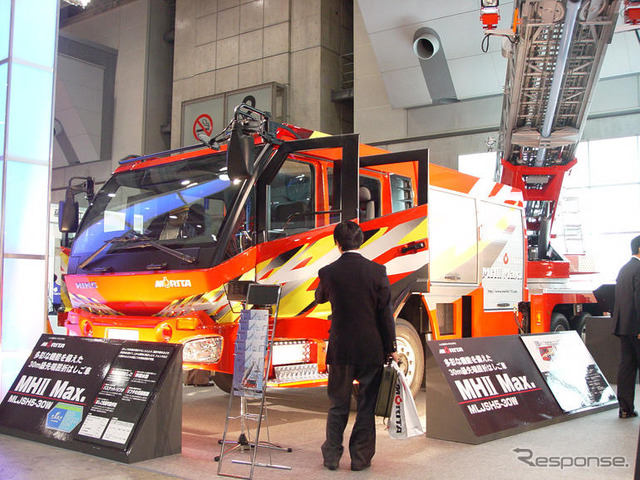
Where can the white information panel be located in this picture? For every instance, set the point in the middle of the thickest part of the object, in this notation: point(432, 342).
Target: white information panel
point(501, 255)
point(569, 370)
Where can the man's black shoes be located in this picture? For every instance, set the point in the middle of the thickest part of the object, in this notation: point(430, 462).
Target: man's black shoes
point(332, 465)
point(357, 468)
point(623, 414)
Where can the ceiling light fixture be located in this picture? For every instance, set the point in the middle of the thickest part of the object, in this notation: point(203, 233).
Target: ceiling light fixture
point(489, 14)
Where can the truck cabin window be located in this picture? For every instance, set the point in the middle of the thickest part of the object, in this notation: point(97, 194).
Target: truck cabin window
point(178, 204)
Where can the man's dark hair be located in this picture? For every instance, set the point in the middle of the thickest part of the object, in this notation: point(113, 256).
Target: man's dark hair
point(635, 245)
point(348, 235)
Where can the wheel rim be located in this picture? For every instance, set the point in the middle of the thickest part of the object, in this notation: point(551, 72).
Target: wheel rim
point(407, 358)
point(560, 328)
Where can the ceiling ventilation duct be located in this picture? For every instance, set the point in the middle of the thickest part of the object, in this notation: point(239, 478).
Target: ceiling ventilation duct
point(428, 48)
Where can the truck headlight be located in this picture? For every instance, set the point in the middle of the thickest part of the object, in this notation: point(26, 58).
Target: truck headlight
point(202, 350)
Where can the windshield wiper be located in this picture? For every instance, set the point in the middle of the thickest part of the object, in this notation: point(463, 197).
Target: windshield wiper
point(140, 241)
point(147, 242)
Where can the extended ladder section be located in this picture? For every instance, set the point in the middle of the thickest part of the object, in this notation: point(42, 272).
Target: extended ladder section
point(554, 61)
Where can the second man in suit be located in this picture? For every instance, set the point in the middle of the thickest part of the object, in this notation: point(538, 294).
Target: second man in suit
point(626, 316)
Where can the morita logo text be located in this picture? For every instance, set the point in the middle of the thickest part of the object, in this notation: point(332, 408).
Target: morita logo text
point(166, 283)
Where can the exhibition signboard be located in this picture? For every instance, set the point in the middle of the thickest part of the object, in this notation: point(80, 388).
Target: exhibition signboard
point(125, 392)
point(96, 396)
point(494, 383)
point(480, 389)
point(56, 386)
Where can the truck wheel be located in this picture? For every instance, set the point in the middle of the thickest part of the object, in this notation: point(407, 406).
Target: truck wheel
point(411, 354)
point(224, 381)
point(559, 323)
point(578, 324)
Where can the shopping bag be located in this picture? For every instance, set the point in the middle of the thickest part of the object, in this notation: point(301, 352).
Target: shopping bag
point(404, 421)
point(387, 391)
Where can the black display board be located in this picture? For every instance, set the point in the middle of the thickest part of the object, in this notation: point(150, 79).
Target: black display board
point(603, 345)
point(113, 398)
point(480, 389)
point(486, 386)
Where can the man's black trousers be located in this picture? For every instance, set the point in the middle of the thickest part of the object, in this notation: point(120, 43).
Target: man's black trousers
point(362, 443)
point(629, 364)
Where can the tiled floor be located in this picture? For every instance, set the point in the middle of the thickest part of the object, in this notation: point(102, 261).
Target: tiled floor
point(579, 448)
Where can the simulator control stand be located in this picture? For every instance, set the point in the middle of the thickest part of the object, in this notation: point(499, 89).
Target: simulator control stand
point(253, 352)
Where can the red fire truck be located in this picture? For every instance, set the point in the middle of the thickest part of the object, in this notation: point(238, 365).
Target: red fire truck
point(170, 237)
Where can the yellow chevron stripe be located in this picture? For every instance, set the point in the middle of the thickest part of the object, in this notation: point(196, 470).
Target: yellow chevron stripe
point(418, 233)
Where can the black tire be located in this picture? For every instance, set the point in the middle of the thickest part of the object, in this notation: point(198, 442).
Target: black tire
point(578, 324)
point(559, 323)
point(411, 354)
point(224, 381)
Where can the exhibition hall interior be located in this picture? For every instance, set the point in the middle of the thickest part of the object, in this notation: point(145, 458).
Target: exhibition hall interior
point(173, 175)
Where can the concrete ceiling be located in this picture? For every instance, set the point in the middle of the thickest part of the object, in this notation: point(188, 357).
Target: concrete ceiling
point(391, 26)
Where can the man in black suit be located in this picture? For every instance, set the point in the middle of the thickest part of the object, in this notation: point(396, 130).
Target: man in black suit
point(361, 338)
point(626, 316)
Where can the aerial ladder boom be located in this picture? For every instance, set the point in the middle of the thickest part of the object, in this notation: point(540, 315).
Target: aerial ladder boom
point(554, 52)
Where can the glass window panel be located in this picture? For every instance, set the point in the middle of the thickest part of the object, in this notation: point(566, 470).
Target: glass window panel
point(578, 176)
point(614, 161)
point(5, 20)
point(611, 252)
point(481, 165)
point(30, 113)
point(26, 214)
point(369, 198)
point(401, 193)
point(24, 303)
point(611, 209)
point(3, 103)
point(34, 34)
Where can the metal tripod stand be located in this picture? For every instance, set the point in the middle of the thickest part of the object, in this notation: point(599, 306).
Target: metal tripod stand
point(253, 355)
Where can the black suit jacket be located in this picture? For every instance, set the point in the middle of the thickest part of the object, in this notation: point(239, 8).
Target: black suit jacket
point(362, 328)
point(626, 313)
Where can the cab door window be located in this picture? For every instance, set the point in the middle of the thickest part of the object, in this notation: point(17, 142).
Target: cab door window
point(369, 197)
point(291, 200)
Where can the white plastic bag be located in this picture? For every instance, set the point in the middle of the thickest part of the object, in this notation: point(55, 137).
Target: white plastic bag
point(404, 421)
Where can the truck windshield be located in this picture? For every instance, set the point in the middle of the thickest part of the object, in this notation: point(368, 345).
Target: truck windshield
point(178, 204)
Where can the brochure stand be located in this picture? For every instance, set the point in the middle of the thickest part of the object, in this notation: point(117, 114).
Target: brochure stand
point(253, 352)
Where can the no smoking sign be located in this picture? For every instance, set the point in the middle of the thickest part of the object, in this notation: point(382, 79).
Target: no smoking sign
point(203, 124)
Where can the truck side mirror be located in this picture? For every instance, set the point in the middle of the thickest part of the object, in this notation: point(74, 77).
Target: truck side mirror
point(90, 188)
point(68, 215)
point(68, 211)
point(240, 154)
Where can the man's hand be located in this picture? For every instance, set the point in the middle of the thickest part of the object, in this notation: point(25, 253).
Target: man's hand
point(394, 356)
